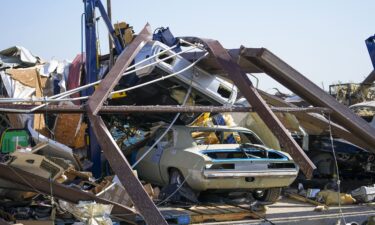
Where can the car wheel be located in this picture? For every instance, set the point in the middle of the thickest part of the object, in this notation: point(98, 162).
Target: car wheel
point(175, 177)
point(324, 163)
point(267, 195)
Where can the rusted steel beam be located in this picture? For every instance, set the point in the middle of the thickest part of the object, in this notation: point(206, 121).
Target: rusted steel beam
point(210, 65)
point(316, 121)
point(123, 170)
point(60, 191)
point(244, 84)
point(112, 152)
point(303, 87)
point(100, 95)
point(158, 109)
point(370, 78)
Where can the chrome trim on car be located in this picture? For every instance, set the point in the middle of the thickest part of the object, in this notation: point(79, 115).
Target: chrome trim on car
point(240, 174)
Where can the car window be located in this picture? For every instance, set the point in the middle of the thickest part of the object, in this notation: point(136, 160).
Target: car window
point(167, 141)
point(223, 137)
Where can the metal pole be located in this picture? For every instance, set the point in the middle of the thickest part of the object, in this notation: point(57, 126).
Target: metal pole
point(110, 41)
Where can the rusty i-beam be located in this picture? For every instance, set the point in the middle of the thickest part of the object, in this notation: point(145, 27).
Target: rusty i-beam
point(241, 80)
point(306, 89)
point(112, 152)
point(315, 120)
point(60, 191)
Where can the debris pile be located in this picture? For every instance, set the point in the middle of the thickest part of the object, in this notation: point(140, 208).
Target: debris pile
point(164, 120)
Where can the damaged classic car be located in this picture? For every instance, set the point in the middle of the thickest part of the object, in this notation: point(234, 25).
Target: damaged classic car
point(216, 158)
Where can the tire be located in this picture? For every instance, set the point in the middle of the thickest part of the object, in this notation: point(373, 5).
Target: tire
point(175, 177)
point(267, 195)
point(325, 166)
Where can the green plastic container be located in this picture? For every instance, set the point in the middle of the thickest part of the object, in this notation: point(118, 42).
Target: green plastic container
point(11, 138)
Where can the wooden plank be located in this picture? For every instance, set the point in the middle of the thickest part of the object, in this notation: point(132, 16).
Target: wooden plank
point(203, 210)
point(67, 127)
point(220, 217)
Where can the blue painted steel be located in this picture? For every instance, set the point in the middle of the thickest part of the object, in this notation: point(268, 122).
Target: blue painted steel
point(165, 36)
point(92, 70)
point(370, 43)
point(108, 23)
point(94, 150)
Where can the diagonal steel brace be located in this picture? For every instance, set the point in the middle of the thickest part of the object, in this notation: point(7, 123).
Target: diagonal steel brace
point(112, 152)
point(241, 80)
point(60, 191)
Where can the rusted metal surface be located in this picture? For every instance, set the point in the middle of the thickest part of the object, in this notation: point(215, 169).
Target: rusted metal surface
point(244, 84)
point(315, 120)
point(60, 191)
point(158, 109)
point(210, 65)
point(123, 170)
point(370, 78)
point(112, 152)
point(114, 75)
point(303, 87)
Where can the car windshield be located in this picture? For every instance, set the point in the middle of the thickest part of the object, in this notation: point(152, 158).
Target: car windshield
point(224, 137)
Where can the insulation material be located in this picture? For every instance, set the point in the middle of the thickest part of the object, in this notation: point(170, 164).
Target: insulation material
point(14, 88)
point(179, 95)
point(28, 77)
point(203, 120)
point(91, 213)
point(332, 198)
point(67, 127)
point(253, 122)
point(289, 121)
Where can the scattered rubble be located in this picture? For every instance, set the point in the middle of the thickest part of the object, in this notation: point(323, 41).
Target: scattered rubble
point(64, 159)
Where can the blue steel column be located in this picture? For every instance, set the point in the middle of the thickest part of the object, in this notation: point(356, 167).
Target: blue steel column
point(94, 150)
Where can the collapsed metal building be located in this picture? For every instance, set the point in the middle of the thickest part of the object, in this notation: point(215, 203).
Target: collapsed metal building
point(233, 65)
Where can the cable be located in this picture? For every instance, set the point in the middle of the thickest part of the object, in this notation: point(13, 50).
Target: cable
point(161, 78)
point(61, 97)
point(164, 133)
point(72, 91)
point(337, 169)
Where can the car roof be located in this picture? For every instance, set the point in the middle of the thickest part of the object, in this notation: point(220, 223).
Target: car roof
point(364, 104)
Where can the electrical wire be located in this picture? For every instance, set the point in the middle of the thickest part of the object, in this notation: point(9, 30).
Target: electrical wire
point(72, 91)
point(61, 97)
point(337, 170)
point(165, 132)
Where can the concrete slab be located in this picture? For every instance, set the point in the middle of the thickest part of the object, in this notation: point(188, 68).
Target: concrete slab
point(290, 212)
